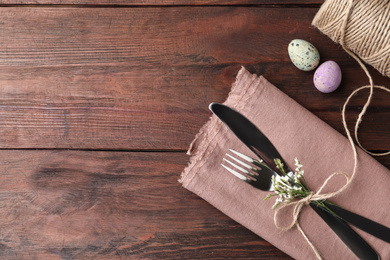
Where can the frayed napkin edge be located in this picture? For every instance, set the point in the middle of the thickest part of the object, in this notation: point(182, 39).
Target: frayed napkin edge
point(194, 150)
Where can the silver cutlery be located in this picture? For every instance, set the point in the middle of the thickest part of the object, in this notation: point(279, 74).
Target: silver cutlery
point(258, 174)
point(258, 143)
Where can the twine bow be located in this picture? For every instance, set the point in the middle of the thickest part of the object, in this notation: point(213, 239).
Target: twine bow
point(299, 204)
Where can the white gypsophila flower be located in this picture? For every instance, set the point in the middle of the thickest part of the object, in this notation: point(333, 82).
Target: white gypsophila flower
point(284, 181)
point(297, 188)
point(284, 178)
point(297, 163)
point(277, 202)
point(288, 187)
point(283, 187)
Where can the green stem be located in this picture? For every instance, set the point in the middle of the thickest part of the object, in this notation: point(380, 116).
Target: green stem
point(304, 182)
point(322, 204)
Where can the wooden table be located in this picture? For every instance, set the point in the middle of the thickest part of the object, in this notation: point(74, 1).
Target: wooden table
point(100, 99)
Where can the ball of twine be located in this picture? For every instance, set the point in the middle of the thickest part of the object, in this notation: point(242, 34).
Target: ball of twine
point(367, 30)
point(362, 28)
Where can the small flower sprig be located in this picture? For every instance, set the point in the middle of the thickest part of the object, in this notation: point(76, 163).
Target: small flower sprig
point(292, 185)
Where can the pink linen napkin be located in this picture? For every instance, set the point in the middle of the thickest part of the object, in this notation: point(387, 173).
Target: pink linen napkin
point(295, 132)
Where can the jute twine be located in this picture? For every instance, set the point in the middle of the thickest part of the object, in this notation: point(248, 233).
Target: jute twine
point(362, 28)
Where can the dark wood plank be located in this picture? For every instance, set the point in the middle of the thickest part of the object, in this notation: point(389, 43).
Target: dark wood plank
point(147, 37)
point(124, 78)
point(141, 79)
point(96, 3)
point(112, 114)
point(112, 205)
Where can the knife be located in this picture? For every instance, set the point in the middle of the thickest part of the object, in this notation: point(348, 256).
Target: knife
point(256, 141)
point(250, 135)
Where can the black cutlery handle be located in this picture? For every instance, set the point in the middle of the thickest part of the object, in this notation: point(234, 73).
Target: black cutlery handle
point(354, 242)
point(362, 223)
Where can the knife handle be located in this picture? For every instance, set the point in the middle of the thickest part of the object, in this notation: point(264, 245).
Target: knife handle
point(365, 224)
point(350, 238)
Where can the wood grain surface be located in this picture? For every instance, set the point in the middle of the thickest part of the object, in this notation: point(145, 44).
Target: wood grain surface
point(111, 205)
point(143, 3)
point(92, 78)
point(99, 101)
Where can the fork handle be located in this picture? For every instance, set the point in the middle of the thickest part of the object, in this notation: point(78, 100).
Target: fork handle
point(350, 238)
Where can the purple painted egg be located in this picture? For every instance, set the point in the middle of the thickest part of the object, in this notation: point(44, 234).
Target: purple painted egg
point(327, 77)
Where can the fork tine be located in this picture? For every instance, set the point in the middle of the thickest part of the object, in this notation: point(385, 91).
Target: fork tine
point(236, 166)
point(245, 157)
point(255, 172)
point(238, 175)
point(252, 170)
point(259, 163)
point(239, 161)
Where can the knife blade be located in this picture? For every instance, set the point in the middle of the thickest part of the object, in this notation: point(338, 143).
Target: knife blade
point(256, 141)
point(249, 134)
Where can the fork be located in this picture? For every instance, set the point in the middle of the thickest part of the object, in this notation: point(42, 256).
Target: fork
point(258, 174)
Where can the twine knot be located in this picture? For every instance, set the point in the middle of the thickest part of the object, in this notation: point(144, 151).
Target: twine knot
point(307, 199)
point(311, 197)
